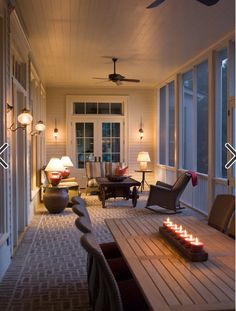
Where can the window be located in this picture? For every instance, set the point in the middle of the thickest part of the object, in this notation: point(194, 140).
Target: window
point(221, 112)
point(195, 118)
point(97, 108)
point(167, 125)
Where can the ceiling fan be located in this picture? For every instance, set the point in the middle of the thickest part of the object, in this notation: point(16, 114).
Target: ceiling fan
point(116, 77)
point(158, 2)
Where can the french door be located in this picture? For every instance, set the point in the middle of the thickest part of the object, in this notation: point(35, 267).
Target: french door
point(96, 140)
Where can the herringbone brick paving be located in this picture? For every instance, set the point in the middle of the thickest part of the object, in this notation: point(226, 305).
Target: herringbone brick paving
point(48, 271)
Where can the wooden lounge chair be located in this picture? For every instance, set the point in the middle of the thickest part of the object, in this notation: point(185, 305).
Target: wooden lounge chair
point(168, 196)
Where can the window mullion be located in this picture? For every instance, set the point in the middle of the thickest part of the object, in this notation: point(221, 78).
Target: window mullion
point(194, 118)
point(167, 125)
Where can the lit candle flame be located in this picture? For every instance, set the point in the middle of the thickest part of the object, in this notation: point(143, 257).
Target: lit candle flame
point(180, 228)
point(168, 219)
point(196, 241)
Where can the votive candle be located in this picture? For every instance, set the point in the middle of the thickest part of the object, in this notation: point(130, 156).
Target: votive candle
point(196, 246)
point(166, 222)
point(188, 240)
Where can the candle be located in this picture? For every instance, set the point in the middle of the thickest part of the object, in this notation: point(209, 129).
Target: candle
point(173, 228)
point(169, 225)
point(166, 222)
point(179, 231)
point(183, 236)
point(196, 246)
point(188, 240)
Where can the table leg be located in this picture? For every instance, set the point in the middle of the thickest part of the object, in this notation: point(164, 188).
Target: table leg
point(134, 196)
point(103, 196)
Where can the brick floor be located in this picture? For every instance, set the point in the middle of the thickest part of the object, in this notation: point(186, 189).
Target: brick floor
point(48, 271)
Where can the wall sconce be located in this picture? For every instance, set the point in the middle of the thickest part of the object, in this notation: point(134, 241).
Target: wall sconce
point(39, 128)
point(55, 132)
point(141, 132)
point(24, 118)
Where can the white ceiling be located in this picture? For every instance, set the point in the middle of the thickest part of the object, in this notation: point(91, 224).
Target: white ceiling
point(69, 38)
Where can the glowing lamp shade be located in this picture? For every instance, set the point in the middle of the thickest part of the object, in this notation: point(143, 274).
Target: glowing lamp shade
point(55, 165)
point(40, 126)
point(143, 158)
point(55, 169)
point(66, 161)
point(25, 117)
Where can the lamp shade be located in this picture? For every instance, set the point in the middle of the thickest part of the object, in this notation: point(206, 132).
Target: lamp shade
point(55, 165)
point(40, 126)
point(143, 156)
point(25, 117)
point(66, 161)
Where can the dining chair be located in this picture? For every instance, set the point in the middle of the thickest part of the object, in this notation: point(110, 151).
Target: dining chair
point(109, 294)
point(110, 249)
point(221, 211)
point(231, 228)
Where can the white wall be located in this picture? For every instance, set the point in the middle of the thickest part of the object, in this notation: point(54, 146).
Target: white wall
point(140, 104)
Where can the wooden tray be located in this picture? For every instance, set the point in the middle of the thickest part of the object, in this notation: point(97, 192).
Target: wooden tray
point(200, 256)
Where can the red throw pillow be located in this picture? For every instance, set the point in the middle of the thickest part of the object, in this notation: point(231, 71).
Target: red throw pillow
point(121, 171)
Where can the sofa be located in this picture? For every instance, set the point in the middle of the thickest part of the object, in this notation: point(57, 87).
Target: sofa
point(99, 169)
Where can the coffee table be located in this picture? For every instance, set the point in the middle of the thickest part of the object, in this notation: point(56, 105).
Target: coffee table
point(112, 189)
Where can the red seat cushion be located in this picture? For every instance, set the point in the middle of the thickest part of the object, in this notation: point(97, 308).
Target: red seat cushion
point(121, 171)
point(110, 250)
point(131, 296)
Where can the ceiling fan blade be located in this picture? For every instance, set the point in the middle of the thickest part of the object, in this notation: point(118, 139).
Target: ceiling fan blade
point(155, 4)
point(208, 2)
point(130, 80)
point(100, 78)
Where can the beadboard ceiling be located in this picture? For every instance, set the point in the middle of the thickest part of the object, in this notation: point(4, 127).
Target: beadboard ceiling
point(69, 38)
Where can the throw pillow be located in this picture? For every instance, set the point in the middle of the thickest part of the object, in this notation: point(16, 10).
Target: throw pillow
point(121, 171)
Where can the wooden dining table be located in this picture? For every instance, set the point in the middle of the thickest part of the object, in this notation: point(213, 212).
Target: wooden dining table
point(167, 279)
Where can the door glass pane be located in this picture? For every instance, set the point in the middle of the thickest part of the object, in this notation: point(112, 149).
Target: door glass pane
point(84, 142)
point(111, 141)
point(91, 108)
point(79, 108)
point(116, 108)
point(106, 130)
point(79, 130)
point(103, 108)
point(202, 118)
point(162, 129)
point(88, 129)
point(171, 124)
point(187, 120)
point(106, 146)
point(106, 157)
point(80, 162)
point(116, 129)
point(115, 157)
point(80, 145)
point(116, 145)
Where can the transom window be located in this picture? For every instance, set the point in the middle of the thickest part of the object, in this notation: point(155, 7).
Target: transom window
point(97, 108)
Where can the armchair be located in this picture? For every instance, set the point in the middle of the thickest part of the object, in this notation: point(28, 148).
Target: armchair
point(168, 196)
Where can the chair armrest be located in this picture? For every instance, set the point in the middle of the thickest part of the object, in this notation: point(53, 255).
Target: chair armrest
point(162, 184)
point(68, 179)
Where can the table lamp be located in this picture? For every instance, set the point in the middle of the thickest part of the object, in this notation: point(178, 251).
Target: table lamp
point(55, 169)
point(143, 158)
point(66, 161)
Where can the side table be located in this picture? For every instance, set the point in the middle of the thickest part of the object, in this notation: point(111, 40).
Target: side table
point(55, 199)
point(143, 181)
